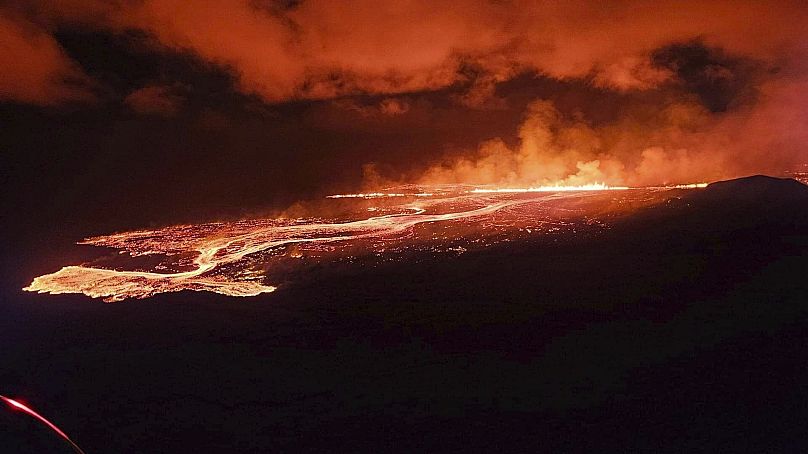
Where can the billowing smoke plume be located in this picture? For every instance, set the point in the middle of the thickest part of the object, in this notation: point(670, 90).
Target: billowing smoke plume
point(715, 115)
point(704, 133)
point(555, 149)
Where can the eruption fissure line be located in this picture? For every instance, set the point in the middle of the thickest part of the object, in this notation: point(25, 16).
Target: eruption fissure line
point(26, 409)
point(554, 188)
point(548, 188)
point(374, 195)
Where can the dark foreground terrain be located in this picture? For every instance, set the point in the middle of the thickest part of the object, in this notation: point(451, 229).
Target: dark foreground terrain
point(681, 329)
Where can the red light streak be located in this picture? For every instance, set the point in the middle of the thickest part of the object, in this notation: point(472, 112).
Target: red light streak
point(20, 406)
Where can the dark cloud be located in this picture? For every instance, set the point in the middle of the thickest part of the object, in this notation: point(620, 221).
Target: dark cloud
point(718, 79)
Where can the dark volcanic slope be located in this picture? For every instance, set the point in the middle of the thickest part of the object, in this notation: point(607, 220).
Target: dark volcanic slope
point(681, 329)
point(746, 202)
point(755, 190)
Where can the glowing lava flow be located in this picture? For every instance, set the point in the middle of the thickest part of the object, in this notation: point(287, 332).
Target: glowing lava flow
point(19, 406)
point(236, 258)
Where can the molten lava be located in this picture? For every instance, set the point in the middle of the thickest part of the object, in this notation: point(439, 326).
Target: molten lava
point(241, 258)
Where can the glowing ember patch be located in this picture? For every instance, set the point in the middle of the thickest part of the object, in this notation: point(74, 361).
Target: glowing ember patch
point(237, 258)
point(20, 406)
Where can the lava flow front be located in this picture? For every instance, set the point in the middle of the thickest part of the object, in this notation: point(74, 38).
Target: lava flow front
point(250, 257)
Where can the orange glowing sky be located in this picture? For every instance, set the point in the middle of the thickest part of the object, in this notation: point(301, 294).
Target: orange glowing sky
point(210, 108)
